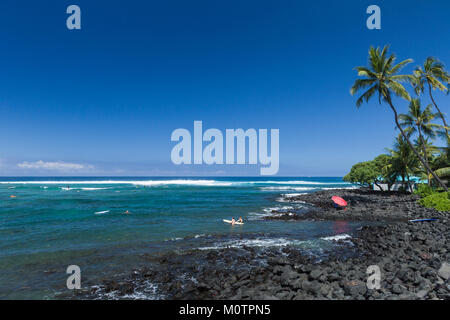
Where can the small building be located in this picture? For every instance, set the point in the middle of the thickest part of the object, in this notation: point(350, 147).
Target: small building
point(410, 185)
point(397, 186)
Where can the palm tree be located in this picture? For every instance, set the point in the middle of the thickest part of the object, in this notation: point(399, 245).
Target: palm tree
point(382, 78)
point(432, 74)
point(404, 162)
point(428, 147)
point(441, 163)
point(428, 151)
point(418, 120)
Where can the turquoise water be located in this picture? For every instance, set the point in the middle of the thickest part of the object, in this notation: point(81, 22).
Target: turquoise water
point(55, 222)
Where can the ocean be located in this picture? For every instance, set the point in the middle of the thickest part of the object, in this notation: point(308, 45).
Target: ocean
point(47, 224)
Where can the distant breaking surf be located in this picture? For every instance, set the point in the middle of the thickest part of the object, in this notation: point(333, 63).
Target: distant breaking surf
point(132, 182)
point(190, 182)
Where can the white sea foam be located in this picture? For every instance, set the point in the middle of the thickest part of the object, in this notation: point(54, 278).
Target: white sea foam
point(279, 208)
point(132, 182)
point(269, 212)
point(66, 182)
point(337, 237)
point(264, 242)
point(276, 242)
point(290, 185)
point(287, 197)
point(85, 189)
point(142, 291)
point(292, 195)
point(352, 187)
point(286, 188)
point(174, 239)
point(183, 182)
point(293, 188)
point(294, 182)
point(283, 199)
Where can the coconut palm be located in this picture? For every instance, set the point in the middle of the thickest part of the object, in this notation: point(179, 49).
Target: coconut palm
point(381, 78)
point(443, 172)
point(429, 152)
point(433, 76)
point(428, 149)
point(441, 163)
point(404, 162)
point(418, 120)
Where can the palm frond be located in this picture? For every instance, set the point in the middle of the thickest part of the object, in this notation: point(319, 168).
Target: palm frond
point(443, 172)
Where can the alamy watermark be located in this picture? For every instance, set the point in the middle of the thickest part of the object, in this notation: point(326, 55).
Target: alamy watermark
point(74, 280)
point(374, 278)
point(374, 20)
point(73, 22)
point(235, 147)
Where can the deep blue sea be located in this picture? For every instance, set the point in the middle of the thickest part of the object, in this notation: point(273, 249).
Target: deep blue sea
point(47, 224)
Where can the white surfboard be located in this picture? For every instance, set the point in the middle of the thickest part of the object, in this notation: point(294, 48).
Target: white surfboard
point(229, 221)
point(102, 212)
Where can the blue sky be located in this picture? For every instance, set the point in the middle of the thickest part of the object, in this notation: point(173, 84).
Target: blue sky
point(107, 97)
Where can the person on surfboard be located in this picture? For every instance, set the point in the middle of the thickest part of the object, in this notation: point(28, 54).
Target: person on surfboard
point(233, 221)
point(240, 220)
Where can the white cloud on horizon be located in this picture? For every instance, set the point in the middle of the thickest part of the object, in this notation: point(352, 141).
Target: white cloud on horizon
point(54, 166)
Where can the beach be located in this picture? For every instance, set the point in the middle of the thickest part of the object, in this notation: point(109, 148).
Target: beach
point(413, 258)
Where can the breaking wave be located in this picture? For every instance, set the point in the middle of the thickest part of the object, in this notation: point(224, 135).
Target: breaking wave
point(131, 182)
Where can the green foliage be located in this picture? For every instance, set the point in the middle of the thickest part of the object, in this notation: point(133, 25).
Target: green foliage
point(363, 173)
point(424, 190)
point(368, 173)
point(382, 161)
point(432, 73)
point(404, 162)
point(443, 172)
point(442, 160)
point(419, 120)
point(381, 77)
point(438, 200)
point(383, 164)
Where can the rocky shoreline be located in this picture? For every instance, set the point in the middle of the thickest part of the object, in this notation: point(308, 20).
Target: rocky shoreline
point(413, 258)
point(363, 205)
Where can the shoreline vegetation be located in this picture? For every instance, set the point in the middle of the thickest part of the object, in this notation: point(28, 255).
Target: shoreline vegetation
point(407, 162)
point(413, 258)
point(381, 79)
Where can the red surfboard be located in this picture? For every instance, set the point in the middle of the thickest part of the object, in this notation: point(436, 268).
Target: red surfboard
point(339, 201)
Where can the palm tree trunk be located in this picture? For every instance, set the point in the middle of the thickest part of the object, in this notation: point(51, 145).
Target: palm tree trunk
point(425, 157)
point(427, 167)
point(440, 113)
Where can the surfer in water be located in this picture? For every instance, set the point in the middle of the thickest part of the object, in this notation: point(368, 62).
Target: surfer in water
point(126, 212)
point(233, 221)
point(240, 220)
